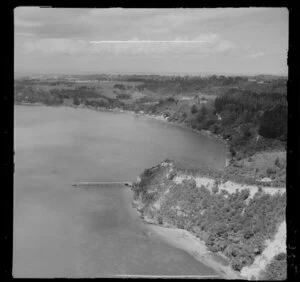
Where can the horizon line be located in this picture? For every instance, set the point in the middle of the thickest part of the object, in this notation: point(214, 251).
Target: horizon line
point(96, 72)
point(148, 74)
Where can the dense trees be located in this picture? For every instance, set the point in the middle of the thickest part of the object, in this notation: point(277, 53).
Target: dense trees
point(233, 224)
point(120, 86)
point(246, 114)
point(273, 123)
point(266, 111)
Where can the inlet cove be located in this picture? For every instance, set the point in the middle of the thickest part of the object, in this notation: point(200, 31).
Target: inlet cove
point(81, 210)
point(62, 230)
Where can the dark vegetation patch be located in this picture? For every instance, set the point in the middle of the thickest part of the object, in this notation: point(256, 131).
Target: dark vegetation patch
point(123, 96)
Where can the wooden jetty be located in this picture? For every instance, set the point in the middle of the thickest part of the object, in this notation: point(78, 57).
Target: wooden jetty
point(85, 183)
point(168, 276)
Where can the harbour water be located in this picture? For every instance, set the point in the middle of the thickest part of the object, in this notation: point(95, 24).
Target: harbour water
point(66, 231)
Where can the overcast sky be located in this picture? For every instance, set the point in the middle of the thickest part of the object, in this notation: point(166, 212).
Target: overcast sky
point(223, 40)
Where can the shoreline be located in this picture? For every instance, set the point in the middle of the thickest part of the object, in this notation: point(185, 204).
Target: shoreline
point(186, 241)
point(183, 240)
point(205, 133)
point(178, 238)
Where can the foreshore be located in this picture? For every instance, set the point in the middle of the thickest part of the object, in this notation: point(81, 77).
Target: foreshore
point(184, 240)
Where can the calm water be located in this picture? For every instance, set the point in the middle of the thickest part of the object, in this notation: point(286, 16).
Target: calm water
point(66, 231)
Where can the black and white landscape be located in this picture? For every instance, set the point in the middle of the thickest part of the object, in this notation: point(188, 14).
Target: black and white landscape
point(150, 142)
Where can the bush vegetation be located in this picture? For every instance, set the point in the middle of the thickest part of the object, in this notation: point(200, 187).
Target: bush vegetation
point(232, 224)
point(123, 96)
point(277, 269)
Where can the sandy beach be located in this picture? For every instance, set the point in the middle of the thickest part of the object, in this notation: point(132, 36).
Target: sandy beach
point(182, 239)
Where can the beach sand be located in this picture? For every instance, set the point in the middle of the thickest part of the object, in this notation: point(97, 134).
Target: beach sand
point(184, 240)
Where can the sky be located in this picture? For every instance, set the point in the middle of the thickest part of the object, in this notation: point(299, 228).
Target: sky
point(156, 41)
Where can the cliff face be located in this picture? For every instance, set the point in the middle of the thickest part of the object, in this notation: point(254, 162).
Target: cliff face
point(236, 219)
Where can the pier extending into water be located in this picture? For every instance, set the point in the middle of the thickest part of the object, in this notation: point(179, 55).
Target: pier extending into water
point(97, 183)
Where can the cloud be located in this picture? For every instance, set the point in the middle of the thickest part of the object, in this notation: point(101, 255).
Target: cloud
point(202, 44)
point(258, 54)
point(118, 23)
point(224, 46)
point(26, 24)
point(57, 45)
point(24, 34)
point(199, 37)
point(205, 43)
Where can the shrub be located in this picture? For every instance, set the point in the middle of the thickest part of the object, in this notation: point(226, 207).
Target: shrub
point(170, 99)
point(160, 220)
point(271, 171)
point(172, 175)
point(208, 124)
point(123, 96)
point(215, 128)
point(248, 233)
point(194, 109)
point(76, 101)
point(277, 269)
point(215, 189)
point(277, 162)
point(232, 151)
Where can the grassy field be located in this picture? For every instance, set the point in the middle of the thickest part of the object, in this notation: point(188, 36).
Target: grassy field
point(48, 87)
point(105, 88)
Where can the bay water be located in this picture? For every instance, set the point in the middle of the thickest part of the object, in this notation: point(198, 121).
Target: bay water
point(66, 231)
